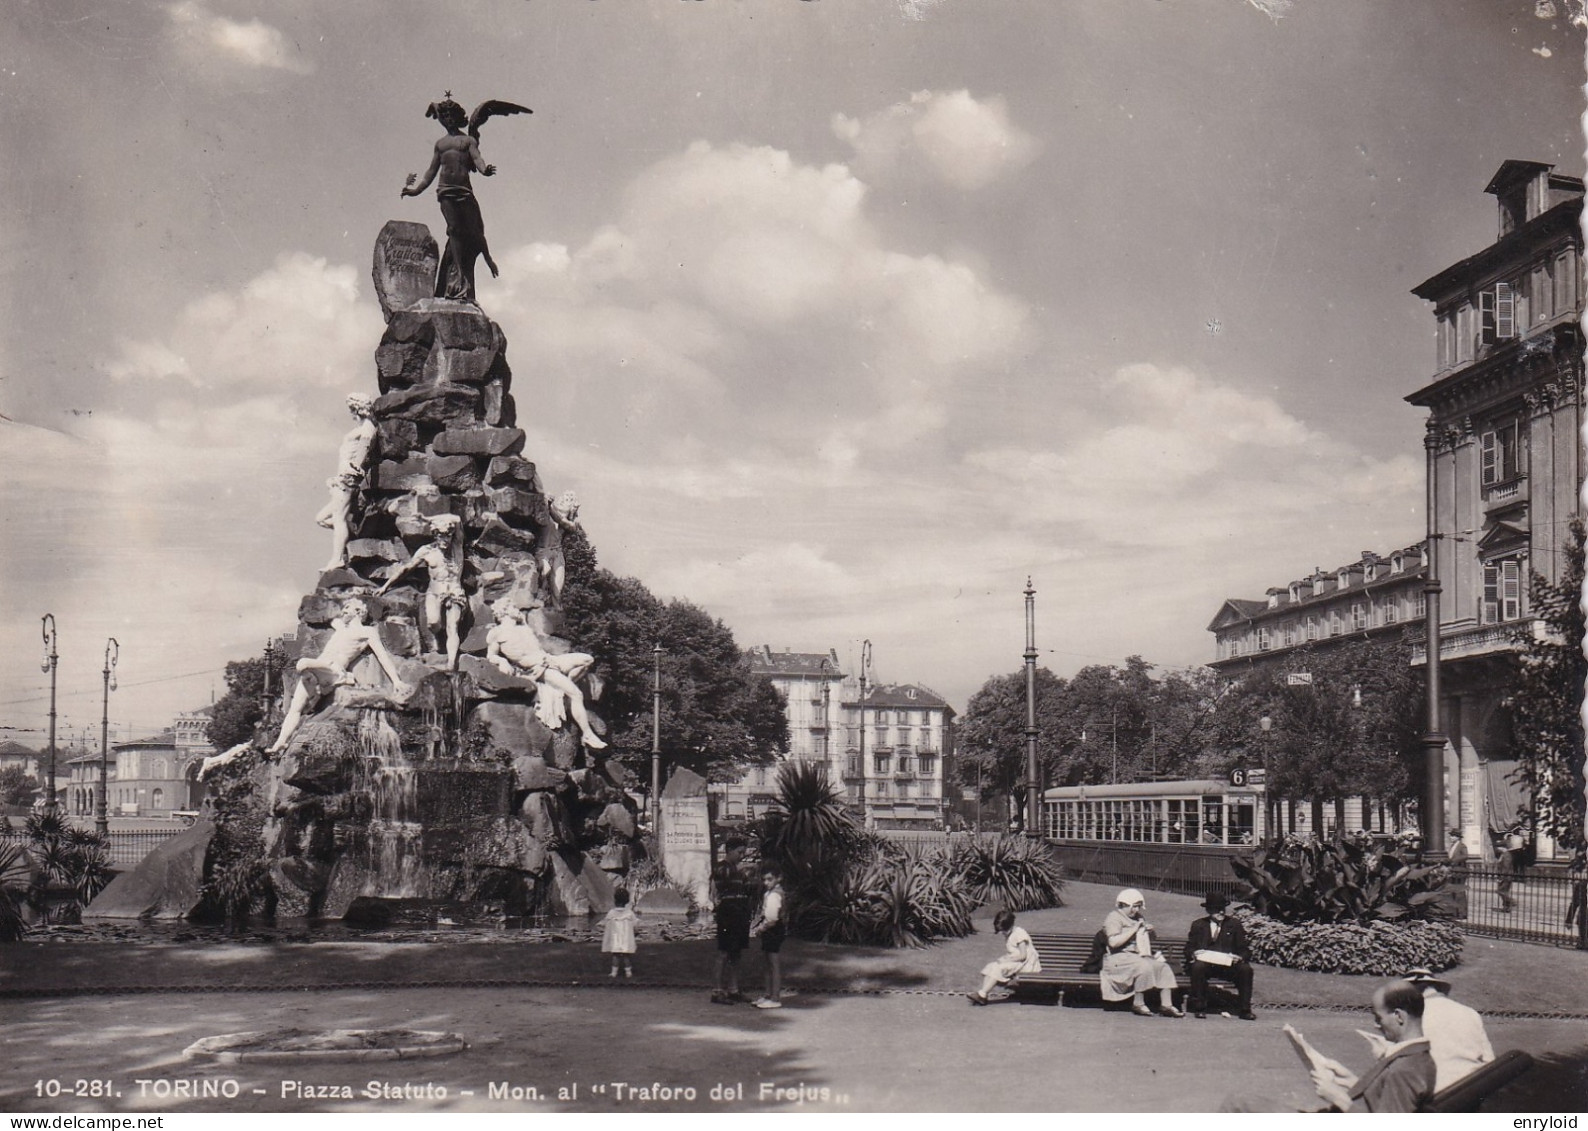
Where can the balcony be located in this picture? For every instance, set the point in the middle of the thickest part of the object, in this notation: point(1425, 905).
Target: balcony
point(1499, 496)
point(1479, 640)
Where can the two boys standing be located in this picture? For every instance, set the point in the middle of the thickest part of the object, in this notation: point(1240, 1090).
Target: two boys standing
point(736, 923)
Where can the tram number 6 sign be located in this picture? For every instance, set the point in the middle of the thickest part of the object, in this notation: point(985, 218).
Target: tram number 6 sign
point(1238, 776)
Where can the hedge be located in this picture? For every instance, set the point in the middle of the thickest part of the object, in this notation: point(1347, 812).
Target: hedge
point(1353, 948)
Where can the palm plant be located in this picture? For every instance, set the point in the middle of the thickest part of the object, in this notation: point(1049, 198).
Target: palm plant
point(1016, 872)
point(16, 880)
point(808, 833)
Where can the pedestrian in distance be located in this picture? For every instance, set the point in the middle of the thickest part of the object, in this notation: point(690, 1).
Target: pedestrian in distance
point(731, 911)
point(1510, 867)
point(617, 935)
point(772, 928)
point(1457, 862)
point(1019, 957)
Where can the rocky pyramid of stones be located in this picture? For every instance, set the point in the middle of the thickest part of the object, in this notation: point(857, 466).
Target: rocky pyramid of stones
point(456, 790)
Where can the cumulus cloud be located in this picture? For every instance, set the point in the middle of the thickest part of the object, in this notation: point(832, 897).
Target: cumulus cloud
point(301, 322)
point(205, 37)
point(742, 296)
point(963, 141)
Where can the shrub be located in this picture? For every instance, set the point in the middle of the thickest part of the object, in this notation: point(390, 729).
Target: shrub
point(903, 898)
point(1310, 882)
point(237, 881)
point(1378, 947)
point(1017, 872)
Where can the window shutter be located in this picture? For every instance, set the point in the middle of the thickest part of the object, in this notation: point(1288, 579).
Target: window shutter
point(1510, 590)
point(1490, 447)
point(1504, 311)
point(1491, 594)
point(1487, 313)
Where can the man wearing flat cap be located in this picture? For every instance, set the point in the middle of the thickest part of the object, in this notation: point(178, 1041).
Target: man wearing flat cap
point(1218, 934)
point(1456, 1037)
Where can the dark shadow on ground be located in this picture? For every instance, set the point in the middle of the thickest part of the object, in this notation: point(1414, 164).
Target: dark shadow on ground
point(1558, 1082)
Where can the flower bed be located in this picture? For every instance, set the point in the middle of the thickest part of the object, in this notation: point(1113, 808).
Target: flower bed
point(1378, 947)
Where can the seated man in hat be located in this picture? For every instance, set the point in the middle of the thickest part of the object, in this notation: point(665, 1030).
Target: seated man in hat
point(1217, 933)
point(1456, 1037)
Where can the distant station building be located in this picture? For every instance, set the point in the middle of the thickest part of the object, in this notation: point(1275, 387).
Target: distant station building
point(1373, 598)
point(1505, 464)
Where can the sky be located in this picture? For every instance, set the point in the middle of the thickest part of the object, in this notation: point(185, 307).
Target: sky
point(841, 317)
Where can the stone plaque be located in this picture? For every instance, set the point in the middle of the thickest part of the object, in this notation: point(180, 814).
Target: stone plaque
point(405, 265)
point(685, 834)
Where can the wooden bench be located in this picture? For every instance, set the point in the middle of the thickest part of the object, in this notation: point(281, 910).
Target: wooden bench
point(1471, 1090)
point(1063, 956)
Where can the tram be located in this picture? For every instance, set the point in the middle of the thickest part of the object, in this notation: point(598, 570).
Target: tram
point(1205, 812)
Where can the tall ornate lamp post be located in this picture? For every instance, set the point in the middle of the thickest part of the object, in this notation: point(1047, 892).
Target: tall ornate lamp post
point(1033, 777)
point(1269, 803)
point(656, 735)
point(51, 662)
point(270, 666)
point(865, 664)
point(101, 803)
point(1432, 816)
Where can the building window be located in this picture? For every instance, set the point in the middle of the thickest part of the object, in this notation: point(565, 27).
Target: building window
point(1335, 625)
point(1262, 639)
point(852, 765)
point(1392, 610)
point(1502, 591)
point(1290, 635)
point(1343, 578)
point(1397, 563)
point(904, 789)
point(879, 763)
point(1359, 616)
point(1503, 453)
point(1422, 604)
point(1312, 628)
point(928, 765)
point(1497, 314)
point(904, 763)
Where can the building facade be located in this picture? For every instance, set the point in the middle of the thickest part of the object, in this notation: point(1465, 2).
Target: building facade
point(151, 778)
point(908, 756)
point(1505, 465)
point(812, 686)
point(1372, 598)
point(908, 745)
point(82, 784)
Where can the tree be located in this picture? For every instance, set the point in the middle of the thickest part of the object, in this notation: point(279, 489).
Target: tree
point(17, 786)
point(238, 713)
point(1546, 706)
point(991, 739)
point(717, 717)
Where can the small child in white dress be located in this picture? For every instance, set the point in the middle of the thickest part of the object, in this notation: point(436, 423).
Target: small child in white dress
point(618, 937)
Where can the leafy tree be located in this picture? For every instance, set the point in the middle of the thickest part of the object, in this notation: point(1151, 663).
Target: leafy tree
point(717, 717)
point(238, 713)
point(17, 786)
point(990, 738)
point(1546, 719)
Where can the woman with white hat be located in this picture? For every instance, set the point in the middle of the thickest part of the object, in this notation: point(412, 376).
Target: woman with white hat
point(1133, 966)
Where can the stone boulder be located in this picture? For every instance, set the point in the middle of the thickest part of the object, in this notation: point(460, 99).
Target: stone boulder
point(404, 270)
point(164, 885)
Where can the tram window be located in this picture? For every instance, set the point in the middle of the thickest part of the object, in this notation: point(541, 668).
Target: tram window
point(1244, 827)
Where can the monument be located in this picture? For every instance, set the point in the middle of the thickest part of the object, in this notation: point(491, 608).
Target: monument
point(443, 741)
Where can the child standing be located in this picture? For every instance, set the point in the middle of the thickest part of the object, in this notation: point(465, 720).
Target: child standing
point(618, 937)
point(772, 932)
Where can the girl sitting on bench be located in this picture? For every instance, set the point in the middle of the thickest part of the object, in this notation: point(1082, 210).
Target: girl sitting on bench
point(1019, 957)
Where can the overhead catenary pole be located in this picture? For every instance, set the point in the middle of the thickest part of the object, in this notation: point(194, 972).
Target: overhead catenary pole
point(101, 803)
point(656, 735)
point(51, 663)
point(865, 663)
point(1432, 817)
point(1033, 779)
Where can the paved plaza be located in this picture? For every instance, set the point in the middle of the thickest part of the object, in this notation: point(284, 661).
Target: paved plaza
point(871, 1030)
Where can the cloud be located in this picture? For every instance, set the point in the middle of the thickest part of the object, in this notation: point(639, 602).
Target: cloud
point(965, 142)
point(206, 38)
point(299, 323)
point(742, 297)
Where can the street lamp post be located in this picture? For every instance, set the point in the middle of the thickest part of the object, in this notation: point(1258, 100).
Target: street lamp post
point(1033, 782)
point(1267, 725)
point(1432, 817)
point(51, 662)
point(656, 736)
point(865, 665)
point(270, 664)
point(101, 804)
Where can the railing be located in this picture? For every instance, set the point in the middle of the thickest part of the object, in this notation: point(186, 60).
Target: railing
point(1189, 869)
point(1529, 905)
point(1457, 642)
point(126, 846)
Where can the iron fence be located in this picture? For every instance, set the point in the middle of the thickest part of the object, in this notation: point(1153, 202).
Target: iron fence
point(127, 846)
point(1189, 869)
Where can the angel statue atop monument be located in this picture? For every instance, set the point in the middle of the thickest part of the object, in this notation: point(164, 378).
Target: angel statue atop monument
point(457, 155)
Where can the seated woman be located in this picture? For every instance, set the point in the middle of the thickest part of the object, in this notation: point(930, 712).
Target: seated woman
point(1019, 957)
point(1133, 967)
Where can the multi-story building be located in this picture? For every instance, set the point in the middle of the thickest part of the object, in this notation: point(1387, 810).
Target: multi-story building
point(1505, 464)
point(1371, 598)
point(82, 784)
point(909, 742)
point(909, 750)
point(812, 685)
point(152, 778)
point(13, 755)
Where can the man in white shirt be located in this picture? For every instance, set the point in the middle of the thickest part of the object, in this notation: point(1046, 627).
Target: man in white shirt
point(1455, 1033)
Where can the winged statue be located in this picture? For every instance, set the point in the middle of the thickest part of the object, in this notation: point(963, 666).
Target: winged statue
point(457, 154)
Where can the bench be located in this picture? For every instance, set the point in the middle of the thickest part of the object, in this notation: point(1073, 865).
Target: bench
point(1475, 1087)
point(1063, 956)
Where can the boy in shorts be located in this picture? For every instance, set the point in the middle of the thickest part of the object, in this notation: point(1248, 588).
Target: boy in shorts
point(773, 929)
point(732, 915)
